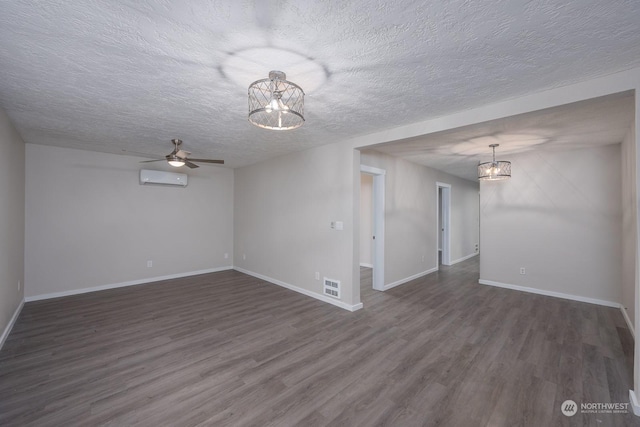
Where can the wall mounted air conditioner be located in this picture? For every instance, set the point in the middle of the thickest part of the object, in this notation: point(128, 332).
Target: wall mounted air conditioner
point(162, 178)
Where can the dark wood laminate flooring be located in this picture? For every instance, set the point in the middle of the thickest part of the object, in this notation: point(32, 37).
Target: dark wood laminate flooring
point(227, 349)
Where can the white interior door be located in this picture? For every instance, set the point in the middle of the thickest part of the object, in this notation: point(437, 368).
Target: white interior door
point(366, 220)
point(378, 224)
point(443, 202)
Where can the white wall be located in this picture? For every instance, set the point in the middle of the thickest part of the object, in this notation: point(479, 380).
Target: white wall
point(283, 211)
point(11, 222)
point(558, 217)
point(465, 216)
point(411, 228)
point(89, 223)
point(629, 230)
point(366, 219)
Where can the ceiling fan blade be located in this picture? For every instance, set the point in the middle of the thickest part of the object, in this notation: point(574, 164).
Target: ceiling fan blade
point(149, 161)
point(191, 165)
point(207, 161)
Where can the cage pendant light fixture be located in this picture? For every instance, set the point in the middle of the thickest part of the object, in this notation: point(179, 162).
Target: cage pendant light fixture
point(494, 170)
point(275, 103)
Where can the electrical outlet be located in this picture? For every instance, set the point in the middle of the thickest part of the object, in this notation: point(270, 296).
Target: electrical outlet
point(317, 275)
point(522, 270)
point(149, 264)
point(244, 256)
point(422, 258)
point(337, 225)
point(226, 256)
point(19, 285)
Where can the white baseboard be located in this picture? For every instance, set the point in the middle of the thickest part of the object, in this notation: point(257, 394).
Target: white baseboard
point(364, 264)
point(634, 403)
point(306, 292)
point(566, 296)
point(408, 279)
point(464, 258)
point(629, 322)
point(550, 293)
point(123, 284)
point(7, 329)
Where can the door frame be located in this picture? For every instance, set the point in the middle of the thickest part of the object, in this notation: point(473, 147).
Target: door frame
point(378, 224)
point(446, 221)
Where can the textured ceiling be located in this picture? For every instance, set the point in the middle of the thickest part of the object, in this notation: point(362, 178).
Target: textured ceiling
point(599, 121)
point(130, 75)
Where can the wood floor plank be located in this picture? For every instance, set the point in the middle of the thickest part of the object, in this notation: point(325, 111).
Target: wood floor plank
point(227, 349)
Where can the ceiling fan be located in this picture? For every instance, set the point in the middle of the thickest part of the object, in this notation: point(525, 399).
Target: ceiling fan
point(180, 157)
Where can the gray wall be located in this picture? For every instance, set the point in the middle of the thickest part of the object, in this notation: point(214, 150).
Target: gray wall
point(629, 229)
point(89, 223)
point(411, 239)
point(559, 217)
point(11, 220)
point(283, 213)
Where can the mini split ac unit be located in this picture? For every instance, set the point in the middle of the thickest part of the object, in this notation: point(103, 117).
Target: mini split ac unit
point(162, 178)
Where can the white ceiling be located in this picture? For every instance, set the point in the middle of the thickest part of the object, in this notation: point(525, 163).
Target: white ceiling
point(599, 121)
point(109, 75)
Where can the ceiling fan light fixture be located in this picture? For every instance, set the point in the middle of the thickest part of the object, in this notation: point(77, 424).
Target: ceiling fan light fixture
point(494, 170)
point(175, 161)
point(179, 157)
point(276, 103)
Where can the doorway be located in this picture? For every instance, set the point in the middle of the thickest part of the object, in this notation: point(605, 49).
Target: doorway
point(443, 209)
point(377, 237)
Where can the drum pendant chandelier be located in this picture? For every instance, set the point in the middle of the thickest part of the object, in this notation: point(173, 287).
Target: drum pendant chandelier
point(276, 103)
point(494, 171)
